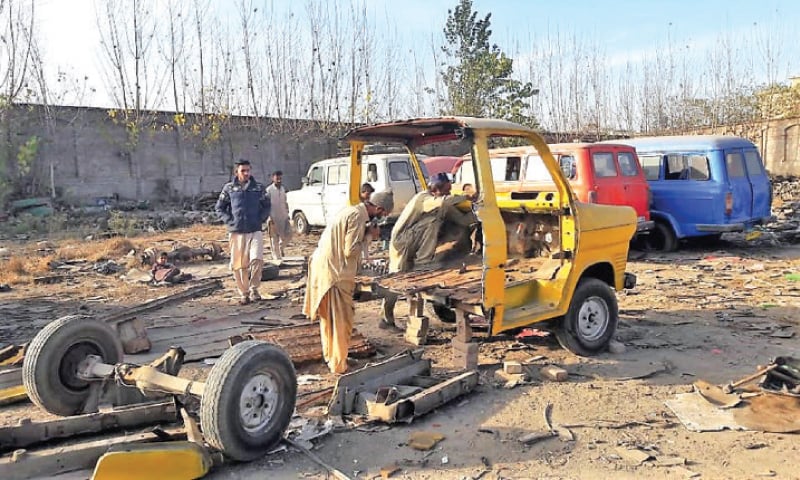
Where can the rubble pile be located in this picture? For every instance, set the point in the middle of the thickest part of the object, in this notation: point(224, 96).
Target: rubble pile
point(786, 189)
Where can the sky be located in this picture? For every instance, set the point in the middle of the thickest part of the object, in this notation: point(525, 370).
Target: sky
point(626, 30)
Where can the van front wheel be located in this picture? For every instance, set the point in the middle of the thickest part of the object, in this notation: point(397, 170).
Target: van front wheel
point(591, 320)
point(300, 223)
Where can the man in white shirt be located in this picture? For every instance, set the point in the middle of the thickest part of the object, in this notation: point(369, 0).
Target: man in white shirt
point(278, 224)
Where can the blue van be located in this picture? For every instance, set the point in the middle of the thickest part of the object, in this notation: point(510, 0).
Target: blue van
point(702, 186)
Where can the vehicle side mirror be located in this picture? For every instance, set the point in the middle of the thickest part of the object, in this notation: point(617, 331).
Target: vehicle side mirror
point(304, 180)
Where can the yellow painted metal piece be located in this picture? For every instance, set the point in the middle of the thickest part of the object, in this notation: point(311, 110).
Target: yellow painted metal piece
point(13, 395)
point(494, 231)
point(167, 460)
point(356, 152)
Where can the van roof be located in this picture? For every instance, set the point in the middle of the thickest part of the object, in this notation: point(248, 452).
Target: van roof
point(428, 130)
point(685, 142)
point(554, 147)
point(376, 156)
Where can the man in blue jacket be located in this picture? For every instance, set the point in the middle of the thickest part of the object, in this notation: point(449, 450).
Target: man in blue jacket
point(244, 206)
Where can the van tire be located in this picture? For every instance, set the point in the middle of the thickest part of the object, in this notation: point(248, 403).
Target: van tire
point(591, 321)
point(300, 223)
point(661, 239)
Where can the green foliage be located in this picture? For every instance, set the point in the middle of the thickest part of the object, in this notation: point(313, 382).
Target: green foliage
point(26, 156)
point(779, 101)
point(479, 75)
point(123, 224)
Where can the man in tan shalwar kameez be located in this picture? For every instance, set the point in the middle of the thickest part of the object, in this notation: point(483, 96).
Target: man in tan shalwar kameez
point(429, 219)
point(332, 272)
point(278, 224)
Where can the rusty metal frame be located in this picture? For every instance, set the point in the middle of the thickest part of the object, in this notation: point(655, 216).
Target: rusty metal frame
point(398, 389)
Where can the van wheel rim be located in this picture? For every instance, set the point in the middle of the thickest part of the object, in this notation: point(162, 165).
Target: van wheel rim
point(258, 402)
point(593, 318)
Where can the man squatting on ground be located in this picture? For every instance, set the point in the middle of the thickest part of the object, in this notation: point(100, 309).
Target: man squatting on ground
point(332, 271)
point(429, 219)
point(244, 206)
point(278, 225)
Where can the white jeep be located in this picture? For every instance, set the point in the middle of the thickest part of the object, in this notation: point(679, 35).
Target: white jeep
point(325, 188)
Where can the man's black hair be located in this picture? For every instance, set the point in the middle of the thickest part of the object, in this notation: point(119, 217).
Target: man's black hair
point(242, 161)
point(277, 173)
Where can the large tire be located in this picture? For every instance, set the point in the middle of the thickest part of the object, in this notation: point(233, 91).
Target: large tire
point(661, 239)
point(591, 320)
point(244, 427)
point(443, 313)
point(300, 223)
point(49, 371)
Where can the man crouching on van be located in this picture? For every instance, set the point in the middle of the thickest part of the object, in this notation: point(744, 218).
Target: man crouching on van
point(332, 273)
point(419, 231)
point(244, 206)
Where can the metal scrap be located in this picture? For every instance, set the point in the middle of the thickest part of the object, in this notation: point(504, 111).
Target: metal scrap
point(398, 389)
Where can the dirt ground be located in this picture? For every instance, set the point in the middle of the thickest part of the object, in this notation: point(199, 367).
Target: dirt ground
point(710, 313)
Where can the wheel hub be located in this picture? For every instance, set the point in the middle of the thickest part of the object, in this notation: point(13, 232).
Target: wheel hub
point(593, 318)
point(68, 368)
point(258, 402)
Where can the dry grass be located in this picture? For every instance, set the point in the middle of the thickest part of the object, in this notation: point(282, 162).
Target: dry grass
point(95, 250)
point(27, 262)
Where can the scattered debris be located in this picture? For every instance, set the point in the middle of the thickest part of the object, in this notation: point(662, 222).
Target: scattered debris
point(308, 379)
point(716, 395)
point(398, 389)
point(534, 437)
point(424, 440)
point(615, 347)
point(531, 333)
point(108, 267)
point(512, 367)
point(511, 380)
point(554, 373)
point(389, 470)
point(669, 461)
point(633, 456)
point(337, 474)
point(698, 415)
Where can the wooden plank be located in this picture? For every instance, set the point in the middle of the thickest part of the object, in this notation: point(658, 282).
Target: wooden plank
point(48, 462)
point(303, 344)
point(27, 433)
point(157, 303)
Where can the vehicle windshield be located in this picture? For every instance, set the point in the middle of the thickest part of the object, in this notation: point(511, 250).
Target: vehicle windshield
point(536, 171)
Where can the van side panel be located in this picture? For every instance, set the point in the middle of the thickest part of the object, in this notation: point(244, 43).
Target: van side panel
point(688, 202)
point(759, 182)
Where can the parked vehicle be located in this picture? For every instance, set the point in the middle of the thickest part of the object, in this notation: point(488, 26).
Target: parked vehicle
point(702, 187)
point(544, 258)
point(607, 174)
point(325, 187)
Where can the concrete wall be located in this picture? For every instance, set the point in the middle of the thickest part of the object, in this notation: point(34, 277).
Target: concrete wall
point(777, 140)
point(91, 154)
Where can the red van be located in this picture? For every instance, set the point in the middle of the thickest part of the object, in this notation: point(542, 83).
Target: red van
point(604, 173)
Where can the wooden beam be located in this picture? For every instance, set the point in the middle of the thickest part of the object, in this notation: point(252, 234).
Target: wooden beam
point(27, 433)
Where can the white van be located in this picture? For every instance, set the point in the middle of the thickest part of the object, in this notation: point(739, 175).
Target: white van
point(324, 191)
